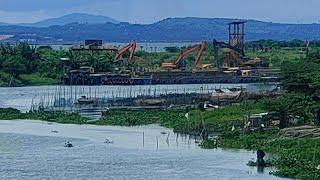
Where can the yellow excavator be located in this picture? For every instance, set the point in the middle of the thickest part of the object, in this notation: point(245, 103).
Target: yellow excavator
point(179, 63)
point(231, 56)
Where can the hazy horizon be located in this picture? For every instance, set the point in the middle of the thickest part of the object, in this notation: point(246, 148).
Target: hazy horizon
point(150, 11)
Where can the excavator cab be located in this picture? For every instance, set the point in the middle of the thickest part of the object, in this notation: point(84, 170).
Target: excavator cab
point(231, 56)
point(182, 64)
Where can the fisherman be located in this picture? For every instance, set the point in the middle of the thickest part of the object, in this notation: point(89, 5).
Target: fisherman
point(260, 158)
point(68, 144)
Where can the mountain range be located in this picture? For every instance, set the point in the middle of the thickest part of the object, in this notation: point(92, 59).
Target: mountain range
point(78, 27)
point(80, 18)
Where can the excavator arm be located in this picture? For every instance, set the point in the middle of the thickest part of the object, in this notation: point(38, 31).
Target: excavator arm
point(131, 47)
point(200, 52)
point(197, 47)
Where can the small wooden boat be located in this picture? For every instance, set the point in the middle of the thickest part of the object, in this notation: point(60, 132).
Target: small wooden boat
point(68, 145)
point(107, 141)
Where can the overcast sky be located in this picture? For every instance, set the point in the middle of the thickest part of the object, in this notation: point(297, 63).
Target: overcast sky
point(148, 11)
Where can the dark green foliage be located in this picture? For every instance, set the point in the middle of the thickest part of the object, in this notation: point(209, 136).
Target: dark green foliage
point(173, 49)
point(10, 114)
point(301, 82)
point(208, 144)
point(297, 158)
point(59, 117)
point(142, 117)
point(40, 66)
point(13, 65)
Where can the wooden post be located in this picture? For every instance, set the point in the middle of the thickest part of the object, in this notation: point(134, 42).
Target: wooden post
point(167, 140)
point(177, 139)
point(157, 143)
point(142, 139)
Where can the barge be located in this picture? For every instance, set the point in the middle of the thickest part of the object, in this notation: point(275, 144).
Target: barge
point(166, 77)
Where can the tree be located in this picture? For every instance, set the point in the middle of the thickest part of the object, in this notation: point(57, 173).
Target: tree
point(29, 54)
point(294, 104)
point(173, 49)
point(14, 65)
point(301, 81)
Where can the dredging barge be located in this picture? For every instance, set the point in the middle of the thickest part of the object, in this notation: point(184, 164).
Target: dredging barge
point(169, 77)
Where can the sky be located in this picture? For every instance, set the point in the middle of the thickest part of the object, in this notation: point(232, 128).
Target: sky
point(149, 11)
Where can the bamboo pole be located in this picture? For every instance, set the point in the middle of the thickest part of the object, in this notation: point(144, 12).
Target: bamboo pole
point(142, 139)
point(157, 143)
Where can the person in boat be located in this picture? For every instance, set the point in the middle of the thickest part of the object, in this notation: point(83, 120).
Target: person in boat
point(107, 141)
point(68, 144)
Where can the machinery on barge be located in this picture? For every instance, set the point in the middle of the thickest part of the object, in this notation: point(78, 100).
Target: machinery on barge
point(230, 66)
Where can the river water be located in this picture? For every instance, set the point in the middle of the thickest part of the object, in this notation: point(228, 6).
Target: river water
point(22, 97)
point(30, 150)
point(149, 47)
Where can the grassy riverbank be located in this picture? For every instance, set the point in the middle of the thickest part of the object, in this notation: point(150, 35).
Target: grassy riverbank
point(59, 117)
point(7, 80)
point(37, 80)
point(143, 117)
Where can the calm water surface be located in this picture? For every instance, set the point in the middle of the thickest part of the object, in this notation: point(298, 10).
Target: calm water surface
point(30, 150)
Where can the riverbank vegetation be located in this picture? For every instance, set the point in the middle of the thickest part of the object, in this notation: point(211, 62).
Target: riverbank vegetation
point(295, 157)
point(58, 117)
point(142, 117)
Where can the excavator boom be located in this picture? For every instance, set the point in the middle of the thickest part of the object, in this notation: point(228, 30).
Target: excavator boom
point(197, 47)
point(200, 52)
point(129, 47)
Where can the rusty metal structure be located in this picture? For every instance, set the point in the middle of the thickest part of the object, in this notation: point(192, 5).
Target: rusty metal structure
point(233, 51)
point(236, 34)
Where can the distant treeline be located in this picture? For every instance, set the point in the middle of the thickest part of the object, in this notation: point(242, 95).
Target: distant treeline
point(262, 44)
point(281, 44)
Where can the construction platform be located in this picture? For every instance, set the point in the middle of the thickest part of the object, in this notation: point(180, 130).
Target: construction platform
point(164, 77)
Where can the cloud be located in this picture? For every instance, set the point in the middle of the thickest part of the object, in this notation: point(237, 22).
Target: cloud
point(44, 5)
